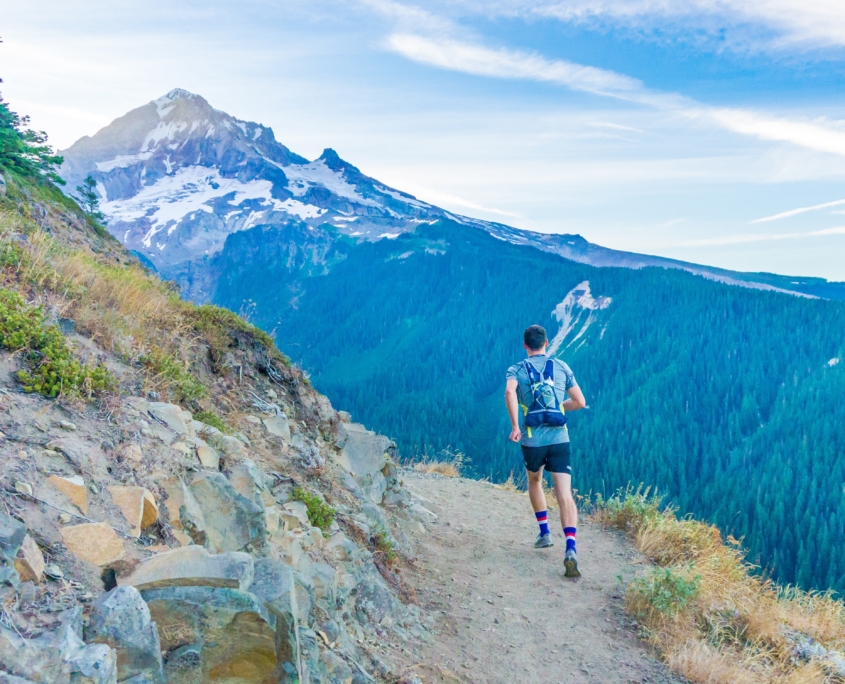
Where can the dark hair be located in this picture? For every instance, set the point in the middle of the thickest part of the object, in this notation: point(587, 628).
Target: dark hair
point(534, 337)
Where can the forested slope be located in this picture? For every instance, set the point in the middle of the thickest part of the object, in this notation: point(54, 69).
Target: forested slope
point(724, 398)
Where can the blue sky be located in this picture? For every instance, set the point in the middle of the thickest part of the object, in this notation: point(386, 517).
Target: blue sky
point(661, 127)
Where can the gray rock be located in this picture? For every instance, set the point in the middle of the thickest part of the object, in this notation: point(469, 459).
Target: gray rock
point(172, 416)
point(363, 451)
point(232, 447)
point(11, 679)
point(58, 657)
point(373, 599)
point(192, 566)
point(272, 586)
point(12, 533)
point(121, 619)
point(212, 634)
point(248, 481)
point(373, 486)
point(232, 521)
point(278, 426)
point(2, 185)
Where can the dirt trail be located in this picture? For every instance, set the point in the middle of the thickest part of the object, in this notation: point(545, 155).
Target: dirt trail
point(507, 613)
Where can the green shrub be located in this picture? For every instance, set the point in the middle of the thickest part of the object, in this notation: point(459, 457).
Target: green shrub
point(384, 547)
point(179, 379)
point(667, 592)
point(52, 369)
point(319, 513)
point(629, 509)
point(212, 419)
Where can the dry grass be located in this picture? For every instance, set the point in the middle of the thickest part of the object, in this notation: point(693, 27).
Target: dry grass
point(119, 305)
point(711, 615)
point(449, 464)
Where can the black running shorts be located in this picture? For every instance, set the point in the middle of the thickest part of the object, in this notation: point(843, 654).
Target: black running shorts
point(554, 457)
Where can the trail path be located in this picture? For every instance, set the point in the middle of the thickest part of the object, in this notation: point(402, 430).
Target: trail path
point(507, 613)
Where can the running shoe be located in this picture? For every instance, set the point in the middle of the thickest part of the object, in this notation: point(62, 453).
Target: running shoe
point(570, 562)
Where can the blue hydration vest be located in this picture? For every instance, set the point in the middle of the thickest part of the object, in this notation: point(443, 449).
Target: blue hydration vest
point(545, 408)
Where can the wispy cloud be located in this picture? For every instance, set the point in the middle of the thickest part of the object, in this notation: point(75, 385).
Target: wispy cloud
point(748, 238)
point(758, 25)
point(471, 58)
point(800, 210)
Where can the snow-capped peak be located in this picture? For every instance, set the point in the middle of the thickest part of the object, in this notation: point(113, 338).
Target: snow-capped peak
point(164, 104)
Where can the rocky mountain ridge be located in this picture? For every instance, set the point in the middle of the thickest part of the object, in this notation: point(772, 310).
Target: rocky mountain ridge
point(176, 177)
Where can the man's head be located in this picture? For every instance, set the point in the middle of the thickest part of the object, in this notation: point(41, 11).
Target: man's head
point(534, 338)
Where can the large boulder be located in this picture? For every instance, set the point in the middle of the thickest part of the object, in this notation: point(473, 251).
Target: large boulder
point(213, 634)
point(95, 543)
point(363, 452)
point(248, 481)
point(121, 620)
point(192, 566)
point(58, 657)
point(12, 534)
point(232, 521)
point(184, 513)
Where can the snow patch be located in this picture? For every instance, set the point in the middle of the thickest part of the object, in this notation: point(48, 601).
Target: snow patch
point(390, 236)
point(402, 198)
point(833, 362)
point(123, 161)
point(569, 313)
point(303, 176)
point(164, 131)
point(257, 134)
point(304, 211)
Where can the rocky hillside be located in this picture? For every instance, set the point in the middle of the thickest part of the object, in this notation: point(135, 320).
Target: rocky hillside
point(179, 504)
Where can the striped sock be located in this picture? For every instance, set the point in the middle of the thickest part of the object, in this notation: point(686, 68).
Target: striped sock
point(570, 537)
point(542, 520)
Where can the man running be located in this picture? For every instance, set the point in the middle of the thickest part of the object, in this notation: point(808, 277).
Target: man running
point(535, 386)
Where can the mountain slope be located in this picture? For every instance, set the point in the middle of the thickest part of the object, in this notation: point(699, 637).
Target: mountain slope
point(177, 176)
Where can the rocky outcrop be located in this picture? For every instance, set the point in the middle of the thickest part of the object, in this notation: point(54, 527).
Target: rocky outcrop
point(196, 555)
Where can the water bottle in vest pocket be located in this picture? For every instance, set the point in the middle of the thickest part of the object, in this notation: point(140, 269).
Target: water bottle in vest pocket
point(545, 408)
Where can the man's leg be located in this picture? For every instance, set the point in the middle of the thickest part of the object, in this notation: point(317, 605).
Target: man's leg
point(538, 502)
point(565, 500)
point(568, 520)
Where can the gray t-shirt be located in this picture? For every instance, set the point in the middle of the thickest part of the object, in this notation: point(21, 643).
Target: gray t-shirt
point(544, 435)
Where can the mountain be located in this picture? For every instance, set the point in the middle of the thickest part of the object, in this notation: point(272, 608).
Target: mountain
point(722, 389)
point(177, 177)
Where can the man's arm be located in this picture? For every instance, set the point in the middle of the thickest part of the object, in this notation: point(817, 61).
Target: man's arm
point(576, 399)
point(513, 409)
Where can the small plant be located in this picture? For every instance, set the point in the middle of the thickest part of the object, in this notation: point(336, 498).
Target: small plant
point(629, 509)
point(52, 368)
point(384, 547)
point(175, 375)
point(212, 419)
point(319, 512)
point(448, 463)
point(666, 592)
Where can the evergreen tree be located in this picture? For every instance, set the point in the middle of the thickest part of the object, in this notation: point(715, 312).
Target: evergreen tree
point(89, 199)
point(24, 151)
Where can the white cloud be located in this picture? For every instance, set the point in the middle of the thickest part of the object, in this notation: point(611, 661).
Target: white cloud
point(800, 210)
point(744, 24)
point(455, 55)
point(747, 238)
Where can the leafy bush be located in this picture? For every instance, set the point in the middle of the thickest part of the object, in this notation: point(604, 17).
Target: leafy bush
point(384, 547)
point(319, 512)
point(181, 382)
point(52, 368)
point(667, 592)
point(212, 419)
point(630, 509)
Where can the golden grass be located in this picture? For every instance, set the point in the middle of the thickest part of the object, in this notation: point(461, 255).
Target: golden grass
point(439, 467)
point(708, 612)
point(449, 464)
point(121, 306)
